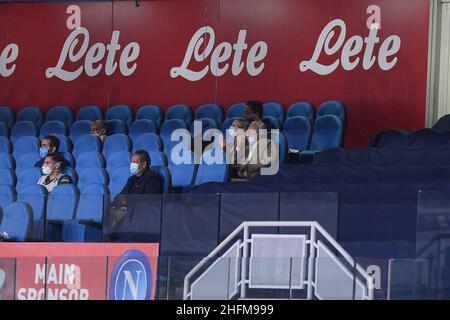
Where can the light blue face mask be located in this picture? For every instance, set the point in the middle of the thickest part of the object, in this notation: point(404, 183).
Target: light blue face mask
point(43, 152)
point(134, 168)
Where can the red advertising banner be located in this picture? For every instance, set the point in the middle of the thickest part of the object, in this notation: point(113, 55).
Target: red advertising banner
point(370, 54)
point(78, 271)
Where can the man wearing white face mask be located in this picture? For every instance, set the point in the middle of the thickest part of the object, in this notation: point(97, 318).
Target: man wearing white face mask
point(51, 169)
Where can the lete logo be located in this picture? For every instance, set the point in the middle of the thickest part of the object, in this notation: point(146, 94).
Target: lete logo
point(131, 278)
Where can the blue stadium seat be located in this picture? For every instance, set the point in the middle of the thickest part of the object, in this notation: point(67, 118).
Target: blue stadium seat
point(36, 197)
point(170, 126)
point(61, 206)
point(142, 126)
point(71, 173)
point(236, 110)
point(86, 143)
point(273, 122)
point(118, 159)
point(87, 226)
point(64, 143)
point(298, 133)
point(27, 177)
point(90, 113)
point(17, 221)
point(118, 179)
point(6, 161)
point(26, 160)
point(26, 144)
point(114, 143)
point(7, 177)
point(91, 175)
point(180, 112)
point(327, 134)
point(274, 109)
point(33, 114)
point(23, 129)
point(157, 158)
point(332, 107)
point(7, 196)
point(4, 130)
point(148, 142)
point(7, 116)
point(183, 135)
point(303, 109)
point(90, 159)
point(5, 145)
point(69, 159)
point(280, 138)
point(120, 112)
point(212, 172)
point(165, 177)
point(116, 126)
point(53, 127)
point(210, 111)
point(183, 174)
point(61, 113)
point(206, 124)
point(80, 128)
point(151, 112)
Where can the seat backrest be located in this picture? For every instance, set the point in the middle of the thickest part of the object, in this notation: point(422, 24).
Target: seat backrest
point(116, 142)
point(5, 145)
point(36, 196)
point(62, 202)
point(53, 127)
point(6, 161)
point(26, 144)
point(90, 159)
point(120, 112)
point(90, 113)
point(91, 175)
point(236, 110)
point(17, 221)
point(33, 114)
point(210, 111)
point(119, 177)
point(298, 131)
point(170, 126)
point(273, 122)
point(332, 107)
point(7, 177)
point(157, 158)
point(182, 136)
point(4, 130)
point(304, 109)
point(118, 159)
point(274, 109)
point(183, 174)
point(205, 124)
point(327, 133)
point(151, 112)
point(147, 142)
point(212, 172)
point(27, 177)
point(115, 126)
point(87, 143)
point(27, 160)
point(141, 126)
point(71, 173)
point(61, 113)
point(165, 177)
point(23, 129)
point(64, 143)
point(7, 116)
point(181, 112)
point(69, 159)
point(7, 195)
point(92, 203)
point(80, 128)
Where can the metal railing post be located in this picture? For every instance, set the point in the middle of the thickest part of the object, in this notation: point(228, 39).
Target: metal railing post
point(244, 263)
point(312, 256)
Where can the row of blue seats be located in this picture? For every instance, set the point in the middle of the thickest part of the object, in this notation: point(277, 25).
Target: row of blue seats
point(156, 114)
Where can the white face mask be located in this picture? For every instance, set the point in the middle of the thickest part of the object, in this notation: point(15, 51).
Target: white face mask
point(46, 170)
point(134, 168)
